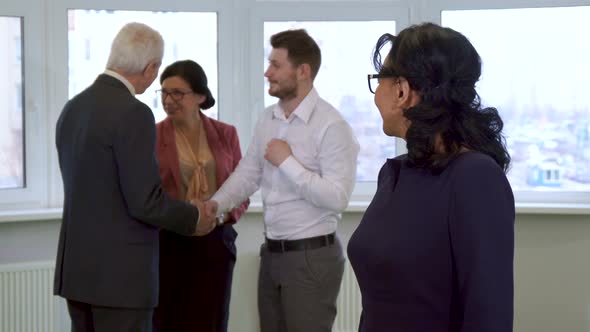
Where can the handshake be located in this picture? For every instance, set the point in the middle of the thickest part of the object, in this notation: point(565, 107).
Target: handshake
point(207, 216)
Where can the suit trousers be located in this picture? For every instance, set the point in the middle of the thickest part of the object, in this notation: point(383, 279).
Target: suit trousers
point(91, 318)
point(297, 290)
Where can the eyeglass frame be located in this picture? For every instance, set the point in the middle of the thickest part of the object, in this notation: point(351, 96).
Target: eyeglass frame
point(377, 76)
point(179, 94)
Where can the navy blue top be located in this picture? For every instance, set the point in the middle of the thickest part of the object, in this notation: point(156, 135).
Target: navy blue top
point(434, 253)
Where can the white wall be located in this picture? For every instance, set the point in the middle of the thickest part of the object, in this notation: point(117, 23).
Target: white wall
point(552, 267)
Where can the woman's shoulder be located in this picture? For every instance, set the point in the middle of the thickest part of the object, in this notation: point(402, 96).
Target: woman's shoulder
point(476, 167)
point(396, 162)
point(219, 125)
point(470, 161)
point(164, 128)
point(477, 180)
point(392, 167)
point(402, 158)
point(166, 122)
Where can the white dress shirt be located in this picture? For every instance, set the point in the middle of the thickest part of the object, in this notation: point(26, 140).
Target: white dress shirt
point(305, 195)
point(122, 79)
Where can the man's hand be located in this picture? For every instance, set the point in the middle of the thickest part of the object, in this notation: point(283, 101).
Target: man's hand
point(207, 222)
point(277, 151)
point(211, 207)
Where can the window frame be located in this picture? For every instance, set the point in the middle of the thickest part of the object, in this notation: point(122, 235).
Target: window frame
point(34, 116)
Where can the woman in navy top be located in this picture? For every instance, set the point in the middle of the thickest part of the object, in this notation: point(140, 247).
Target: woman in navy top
point(434, 251)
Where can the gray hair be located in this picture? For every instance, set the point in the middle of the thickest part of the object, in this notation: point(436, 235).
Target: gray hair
point(134, 47)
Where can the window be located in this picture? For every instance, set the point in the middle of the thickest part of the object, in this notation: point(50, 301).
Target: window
point(12, 168)
point(535, 72)
point(18, 41)
point(342, 81)
point(24, 139)
point(91, 32)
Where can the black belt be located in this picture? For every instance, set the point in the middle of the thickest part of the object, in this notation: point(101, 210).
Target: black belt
point(302, 244)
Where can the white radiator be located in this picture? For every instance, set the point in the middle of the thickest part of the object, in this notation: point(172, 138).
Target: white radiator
point(349, 303)
point(27, 303)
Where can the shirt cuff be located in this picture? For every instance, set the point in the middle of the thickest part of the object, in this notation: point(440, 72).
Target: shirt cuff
point(222, 202)
point(292, 168)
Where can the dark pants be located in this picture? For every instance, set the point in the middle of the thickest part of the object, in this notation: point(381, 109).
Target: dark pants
point(195, 282)
point(297, 290)
point(92, 318)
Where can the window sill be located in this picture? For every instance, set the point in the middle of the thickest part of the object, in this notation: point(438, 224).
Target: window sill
point(353, 207)
point(360, 206)
point(552, 208)
point(30, 215)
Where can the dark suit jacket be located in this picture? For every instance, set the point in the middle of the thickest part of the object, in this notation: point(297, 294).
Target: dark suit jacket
point(114, 204)
point(225, 147)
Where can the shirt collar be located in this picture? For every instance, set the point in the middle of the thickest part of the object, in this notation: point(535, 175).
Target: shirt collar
point(303, 110)
point(122, 79)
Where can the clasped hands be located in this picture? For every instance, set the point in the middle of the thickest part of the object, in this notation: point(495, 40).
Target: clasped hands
point(207, 216)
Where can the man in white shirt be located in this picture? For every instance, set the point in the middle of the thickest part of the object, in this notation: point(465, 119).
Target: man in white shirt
point(303, 158)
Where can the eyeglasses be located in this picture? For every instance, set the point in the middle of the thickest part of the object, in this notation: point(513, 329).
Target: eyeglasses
point(176, 95)
point(374, 80)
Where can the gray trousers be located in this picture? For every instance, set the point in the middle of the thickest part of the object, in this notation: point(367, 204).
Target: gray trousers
point(297, 290)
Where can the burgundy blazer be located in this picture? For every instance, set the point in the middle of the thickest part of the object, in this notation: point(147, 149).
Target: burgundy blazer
point(225, 147)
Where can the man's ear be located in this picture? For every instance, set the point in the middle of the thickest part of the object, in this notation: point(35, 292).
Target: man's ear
point(304, 71)
point(151, 70)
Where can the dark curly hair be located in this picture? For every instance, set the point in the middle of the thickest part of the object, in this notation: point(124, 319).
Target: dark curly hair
point(442, 66)
point(194, 75)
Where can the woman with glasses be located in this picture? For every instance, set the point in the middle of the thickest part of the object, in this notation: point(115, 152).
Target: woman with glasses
point(196, 155)
point(434, 250)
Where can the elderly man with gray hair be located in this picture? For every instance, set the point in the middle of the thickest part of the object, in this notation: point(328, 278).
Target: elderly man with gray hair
point(114, 205)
